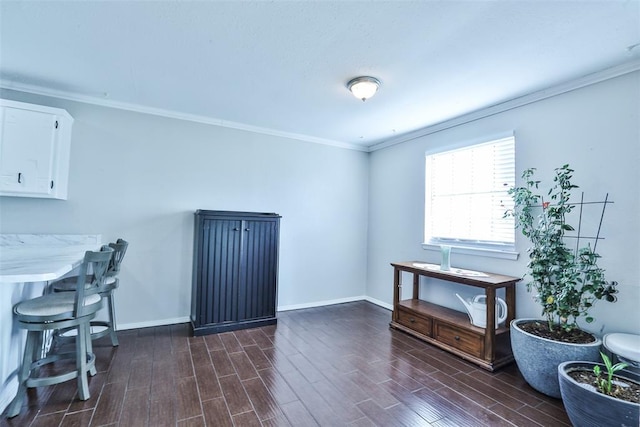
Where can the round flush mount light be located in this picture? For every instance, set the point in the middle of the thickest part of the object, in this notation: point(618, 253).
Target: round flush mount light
point(363, 87)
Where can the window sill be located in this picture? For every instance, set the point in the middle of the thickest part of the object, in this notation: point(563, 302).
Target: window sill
point(466, 250)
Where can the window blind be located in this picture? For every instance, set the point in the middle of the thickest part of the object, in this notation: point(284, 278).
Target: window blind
point(466, 194)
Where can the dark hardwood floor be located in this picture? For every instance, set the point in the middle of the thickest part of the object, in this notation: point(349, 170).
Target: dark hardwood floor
point(329, 366)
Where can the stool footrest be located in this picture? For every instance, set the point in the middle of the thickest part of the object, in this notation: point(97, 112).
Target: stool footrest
point(62, 338)
point(56, 379)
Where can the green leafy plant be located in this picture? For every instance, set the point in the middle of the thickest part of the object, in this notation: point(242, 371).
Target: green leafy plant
point(604, 384)
point(567, 281)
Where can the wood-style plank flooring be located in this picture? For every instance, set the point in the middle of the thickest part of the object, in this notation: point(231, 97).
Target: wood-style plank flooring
point(329, 366)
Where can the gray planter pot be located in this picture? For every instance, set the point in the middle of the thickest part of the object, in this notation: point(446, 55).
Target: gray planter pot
point(587, 407)
point(538, 358)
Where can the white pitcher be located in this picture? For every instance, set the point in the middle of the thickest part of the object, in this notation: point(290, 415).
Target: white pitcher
point(477, 310)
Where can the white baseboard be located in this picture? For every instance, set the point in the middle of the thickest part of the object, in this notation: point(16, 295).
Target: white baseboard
point(152, 323)
point(320, 303)
point(175, 320)
point(379, 303)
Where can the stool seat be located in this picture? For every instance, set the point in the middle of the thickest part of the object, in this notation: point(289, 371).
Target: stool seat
point(54, 307)
point(624, 345)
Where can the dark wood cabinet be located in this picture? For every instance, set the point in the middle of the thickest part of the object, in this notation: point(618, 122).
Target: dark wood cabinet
point(489, 348)
point(235, 270)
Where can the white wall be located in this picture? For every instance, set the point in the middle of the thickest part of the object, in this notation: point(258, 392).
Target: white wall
point(141, 177)
point(595, 129)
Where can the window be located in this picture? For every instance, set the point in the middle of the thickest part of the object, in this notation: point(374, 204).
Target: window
point(466, 196)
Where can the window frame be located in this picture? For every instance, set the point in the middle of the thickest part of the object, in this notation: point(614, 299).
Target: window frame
point(487, 249)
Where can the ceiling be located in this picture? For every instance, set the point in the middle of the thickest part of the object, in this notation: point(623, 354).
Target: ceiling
point(281, 67)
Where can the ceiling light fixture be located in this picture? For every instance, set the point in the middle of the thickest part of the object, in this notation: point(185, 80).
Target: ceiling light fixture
point(363, 87)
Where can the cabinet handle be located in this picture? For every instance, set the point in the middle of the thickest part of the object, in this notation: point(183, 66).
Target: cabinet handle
point(412, 320)
point(457, 338)
point(52, 184)
point(56, 124)
point(247, 229)
point(19, 177)
point(236, 229)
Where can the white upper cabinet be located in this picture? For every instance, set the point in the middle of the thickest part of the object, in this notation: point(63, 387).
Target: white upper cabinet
point(35, 143)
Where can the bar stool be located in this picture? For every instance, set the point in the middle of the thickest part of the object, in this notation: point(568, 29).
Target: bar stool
point(111, 284)
point(62, 310)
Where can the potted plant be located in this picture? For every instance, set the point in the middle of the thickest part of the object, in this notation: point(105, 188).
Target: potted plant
point(565, 279)
point(593, 399)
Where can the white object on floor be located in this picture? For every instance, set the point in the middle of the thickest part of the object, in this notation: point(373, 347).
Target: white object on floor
point(625, 346)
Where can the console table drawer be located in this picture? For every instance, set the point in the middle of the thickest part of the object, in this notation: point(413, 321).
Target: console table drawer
point(417, 323)
point(462, 340)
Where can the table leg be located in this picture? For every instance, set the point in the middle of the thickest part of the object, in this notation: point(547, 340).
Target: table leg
point(396, 293)
point(490, 331)
point(510, 296)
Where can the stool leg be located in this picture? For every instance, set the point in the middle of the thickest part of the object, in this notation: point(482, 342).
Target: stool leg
point(112, 320)
point(89, 349)
point(23, 374)
point(81, 362)
point(36, 353)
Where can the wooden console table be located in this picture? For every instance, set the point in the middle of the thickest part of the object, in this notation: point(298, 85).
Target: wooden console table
point(449, 329)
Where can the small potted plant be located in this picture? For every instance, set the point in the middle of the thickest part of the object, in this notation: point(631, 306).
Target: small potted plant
point(565, 279)
point(593, 399)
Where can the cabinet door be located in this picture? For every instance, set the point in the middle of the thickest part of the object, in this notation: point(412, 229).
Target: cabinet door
point(220, 273)
point(257, 287)
point(27, 147)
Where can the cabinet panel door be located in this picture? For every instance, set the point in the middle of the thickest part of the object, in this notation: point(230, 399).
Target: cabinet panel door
point(220, 272)
point(27, 145)
point(260, 263)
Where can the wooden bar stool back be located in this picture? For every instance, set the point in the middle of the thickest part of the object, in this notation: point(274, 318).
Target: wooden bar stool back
point(101, 328)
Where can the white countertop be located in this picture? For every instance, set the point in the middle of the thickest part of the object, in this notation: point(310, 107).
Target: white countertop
point(39, 258)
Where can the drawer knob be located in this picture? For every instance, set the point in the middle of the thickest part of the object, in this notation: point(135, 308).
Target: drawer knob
point(412, 320)
point(457, 338)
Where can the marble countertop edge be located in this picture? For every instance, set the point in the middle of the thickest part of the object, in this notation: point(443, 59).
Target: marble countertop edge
point(41, 258)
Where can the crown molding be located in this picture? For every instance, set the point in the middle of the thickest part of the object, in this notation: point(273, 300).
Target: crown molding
point(94, 100)
point(552, 91)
